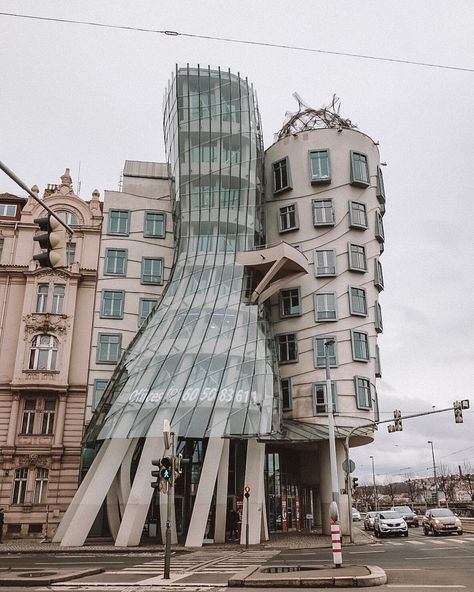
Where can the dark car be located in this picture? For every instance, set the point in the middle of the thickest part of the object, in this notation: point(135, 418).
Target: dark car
point(407, 514)
point(441, 520)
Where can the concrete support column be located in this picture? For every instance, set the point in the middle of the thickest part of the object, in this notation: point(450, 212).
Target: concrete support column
point(221, 495)
point(13, 425)
point(325, 489)
point(61, 416)
point(254, 478)
point(113, 508)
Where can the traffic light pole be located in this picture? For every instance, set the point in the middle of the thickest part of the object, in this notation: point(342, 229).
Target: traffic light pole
point(19, 182)
point(166, 573)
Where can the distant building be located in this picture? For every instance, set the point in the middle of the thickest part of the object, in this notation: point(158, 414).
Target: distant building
point(45, 334)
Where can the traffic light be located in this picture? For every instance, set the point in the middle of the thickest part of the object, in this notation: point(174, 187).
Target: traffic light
point(355, 483)
point(458, 418)
point(179, 461)
point(397, 414)
point(166, 468)
point(156, 474)
point(247, 491)
point(53, 242)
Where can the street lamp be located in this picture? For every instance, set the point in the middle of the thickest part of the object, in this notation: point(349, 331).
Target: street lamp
point(375, 487)
point(332, 438)
point(434, 473)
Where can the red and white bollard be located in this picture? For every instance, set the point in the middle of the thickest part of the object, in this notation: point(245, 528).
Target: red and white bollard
point(336, 543)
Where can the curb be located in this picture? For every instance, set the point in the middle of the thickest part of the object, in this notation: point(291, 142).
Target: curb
point(37, 579)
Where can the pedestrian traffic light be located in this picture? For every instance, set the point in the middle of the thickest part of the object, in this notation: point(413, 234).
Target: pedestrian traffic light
point(53, 242)
point(355, 483)
point(156, 474)
point(458, 418)
point(247, 491)
point(397, 414)
point(166, 468)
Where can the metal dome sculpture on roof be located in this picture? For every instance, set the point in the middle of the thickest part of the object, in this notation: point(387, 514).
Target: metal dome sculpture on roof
point(307, 118)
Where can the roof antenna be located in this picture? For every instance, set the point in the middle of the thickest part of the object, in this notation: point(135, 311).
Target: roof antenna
point(79, 180)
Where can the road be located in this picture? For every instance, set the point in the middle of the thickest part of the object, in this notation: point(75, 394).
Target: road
point(428, 564)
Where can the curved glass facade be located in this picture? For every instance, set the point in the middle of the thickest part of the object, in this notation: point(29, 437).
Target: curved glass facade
point(204, 360)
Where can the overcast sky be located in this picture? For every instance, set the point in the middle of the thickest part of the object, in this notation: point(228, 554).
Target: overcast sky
point(74, 94)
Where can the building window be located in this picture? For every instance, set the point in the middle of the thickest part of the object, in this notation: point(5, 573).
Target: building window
point(320, 166)
point(68, 217)
point(357, 215)
point(115, 262)
point(378, 365)
point(100, 384)
point(325, 262)
point(378, 276)
point(71, 253)
point(380, 191)
point(145, 307)
point(323, 212)
point(325, 306)
point(19, 486)
point(286, 395)
point(281, 175)
point(152, 271)
point(359, 169)
point(290, 303)
point(42, 297)
point(379, 231)
point(28, 420)
point(288, 218)
point(357, 260)
point(49, 412)
point(41, 486)
point(7, 210)
point(119, 222)
point(363, 394)
point(112, 304)
point(320, 400)
point(1, 248)
point(287, 348)
point(360, 346)
point(378, 317)
point(43, 352)
point(154, 225)
point(320, 352)
point(357, 302)
point(58, 298)
point(108, 348)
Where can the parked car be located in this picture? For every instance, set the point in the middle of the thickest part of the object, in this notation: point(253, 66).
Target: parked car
point(388, 523)
point(441, 520)
point(355, 515)
point(407, 514)
point(369, 520)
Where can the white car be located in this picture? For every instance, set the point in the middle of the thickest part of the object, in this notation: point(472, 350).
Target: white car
point(388, 523)
point(356, 515)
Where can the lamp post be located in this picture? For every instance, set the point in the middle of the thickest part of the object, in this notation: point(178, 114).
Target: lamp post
point(375, 487)
point(434, 473)
point(332, 438)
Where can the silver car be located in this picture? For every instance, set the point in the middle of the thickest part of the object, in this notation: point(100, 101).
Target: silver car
point(369, 520)
point(389, 523)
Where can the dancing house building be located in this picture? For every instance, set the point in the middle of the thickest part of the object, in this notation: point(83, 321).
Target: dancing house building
point(276, 273)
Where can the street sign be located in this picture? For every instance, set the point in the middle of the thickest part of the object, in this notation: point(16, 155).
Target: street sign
point(351, 466)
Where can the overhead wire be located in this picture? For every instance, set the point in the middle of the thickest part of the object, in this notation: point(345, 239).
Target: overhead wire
point(240, 41)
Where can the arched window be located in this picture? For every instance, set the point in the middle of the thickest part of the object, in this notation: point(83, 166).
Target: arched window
point(69, 217)
point(43, 353)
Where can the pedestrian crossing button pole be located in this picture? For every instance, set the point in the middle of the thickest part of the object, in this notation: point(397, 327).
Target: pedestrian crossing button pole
point(335, 535)
point(247, 496)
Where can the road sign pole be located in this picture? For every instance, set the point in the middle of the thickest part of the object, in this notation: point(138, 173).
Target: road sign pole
point(247, 497)
point(166, 574)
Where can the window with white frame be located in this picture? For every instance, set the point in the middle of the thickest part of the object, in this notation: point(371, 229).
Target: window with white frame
point(112, 304)
point(38, 416)
point(71, 253)
point(325, 306)
point(380, 191)
point(379, 230)
point(109, 348)
point(100, 384)
point(287, 348)
point(19, 485)
point(357, 259)
point(378, 364)
point(360, 346)
point(320, 399)
point(320, 349)
point(320, 166)
point(154, 225)
point(325, 262)
point(323, 212)
point(378, 317)
point(2, 241)
point(8, 210)
point(69, 217)
point(41, 485)
point(119, 222)
point(357, 215)
point(115, 262)
point(146, 305)
point(290, 302)
point(42, 297)
point(286, 395)
point(288, 218)
point(363, 392)
point(378, 276)
point(58, 298)
point(48, 413)
point(28, 419)
point(152, 270)
point(43, 352)
point(359, 169)
point(357, 301)
point(281, 175)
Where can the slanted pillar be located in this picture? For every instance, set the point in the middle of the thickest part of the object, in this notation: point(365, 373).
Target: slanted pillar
point(221, 495)
point(254, 478)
